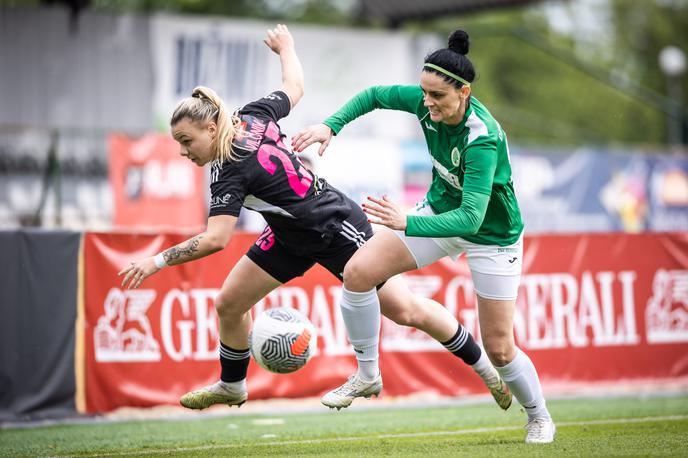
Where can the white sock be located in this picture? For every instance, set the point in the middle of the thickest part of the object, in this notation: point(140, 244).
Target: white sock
point(361, 312)
point(521, 377)
point(484, 368)
point(234, 386)
point(368, 370)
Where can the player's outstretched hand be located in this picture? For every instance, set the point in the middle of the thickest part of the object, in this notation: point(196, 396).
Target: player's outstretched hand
point(279, 39)
point(137, 271)
point(317, 133)
point(385, 212)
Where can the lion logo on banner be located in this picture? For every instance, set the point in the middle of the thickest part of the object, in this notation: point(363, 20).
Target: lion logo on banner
point(123, 332)
point(666, 314)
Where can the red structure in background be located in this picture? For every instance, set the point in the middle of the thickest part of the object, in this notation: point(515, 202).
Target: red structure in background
point(153, 186)
point(592, 307)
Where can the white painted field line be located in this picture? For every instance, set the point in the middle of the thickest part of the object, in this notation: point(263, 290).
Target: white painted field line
point(460, 432)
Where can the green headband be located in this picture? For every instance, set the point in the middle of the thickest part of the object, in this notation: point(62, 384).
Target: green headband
point(448, 73)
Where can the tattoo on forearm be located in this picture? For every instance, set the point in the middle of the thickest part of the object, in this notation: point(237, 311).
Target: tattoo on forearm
point(183, 251)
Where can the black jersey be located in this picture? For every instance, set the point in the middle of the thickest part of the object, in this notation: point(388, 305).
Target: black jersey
point(302, 209)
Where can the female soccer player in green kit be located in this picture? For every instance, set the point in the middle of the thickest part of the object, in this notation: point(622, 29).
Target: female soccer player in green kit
point(470, 207)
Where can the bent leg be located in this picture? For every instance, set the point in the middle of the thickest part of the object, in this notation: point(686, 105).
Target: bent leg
point(378, 259)
point(245, 285)
point(403, 307)
point(400, 305)
point(517, 370)
point(382, 256)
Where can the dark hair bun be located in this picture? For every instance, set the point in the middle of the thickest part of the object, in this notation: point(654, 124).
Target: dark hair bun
point(458, 42)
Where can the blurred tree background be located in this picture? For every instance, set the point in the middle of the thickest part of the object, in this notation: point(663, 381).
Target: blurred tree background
point(554, 72)
point(578, 72)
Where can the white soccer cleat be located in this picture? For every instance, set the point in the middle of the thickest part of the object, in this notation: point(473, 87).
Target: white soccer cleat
point(354, 387)
point(540, 431)
point(217, 393)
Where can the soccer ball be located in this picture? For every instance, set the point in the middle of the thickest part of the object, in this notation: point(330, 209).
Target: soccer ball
point(282, 340)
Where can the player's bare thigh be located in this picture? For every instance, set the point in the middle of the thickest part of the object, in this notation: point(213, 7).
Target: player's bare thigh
point(380, 258)
point(245, 285)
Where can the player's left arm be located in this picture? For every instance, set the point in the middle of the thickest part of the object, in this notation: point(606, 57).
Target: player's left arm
point(281, 42)
point(481, 162)
point(465, 220)
point(216, 236)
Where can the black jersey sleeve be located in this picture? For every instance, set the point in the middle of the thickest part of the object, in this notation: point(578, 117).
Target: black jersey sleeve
point(228, 188)
point(274, 106)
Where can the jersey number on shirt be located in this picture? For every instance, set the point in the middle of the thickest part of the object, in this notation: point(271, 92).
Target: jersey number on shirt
point(299, 185)
point(266, 239)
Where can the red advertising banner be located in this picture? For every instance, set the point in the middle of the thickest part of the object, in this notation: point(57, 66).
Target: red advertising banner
point(593, 307)
point(152, 185)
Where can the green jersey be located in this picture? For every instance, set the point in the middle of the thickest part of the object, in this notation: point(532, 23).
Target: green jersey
point(471, 194)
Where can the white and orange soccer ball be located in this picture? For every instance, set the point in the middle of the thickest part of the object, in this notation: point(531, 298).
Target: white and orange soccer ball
point(282, 340)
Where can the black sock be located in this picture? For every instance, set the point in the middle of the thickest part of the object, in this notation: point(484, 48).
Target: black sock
point(234, 363)
point(463, 346)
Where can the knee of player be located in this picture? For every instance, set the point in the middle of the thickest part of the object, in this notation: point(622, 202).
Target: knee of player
point(224, 305)
point(357, 278)
point(499, 351)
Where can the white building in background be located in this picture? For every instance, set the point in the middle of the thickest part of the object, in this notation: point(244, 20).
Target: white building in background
point(125, 73)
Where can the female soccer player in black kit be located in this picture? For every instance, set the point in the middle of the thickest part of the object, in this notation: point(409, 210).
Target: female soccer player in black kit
point(309, 222)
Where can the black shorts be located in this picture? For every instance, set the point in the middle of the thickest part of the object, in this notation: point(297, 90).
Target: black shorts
point(282, 264)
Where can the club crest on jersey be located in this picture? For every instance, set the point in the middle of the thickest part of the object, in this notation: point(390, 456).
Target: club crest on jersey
point(456, 157)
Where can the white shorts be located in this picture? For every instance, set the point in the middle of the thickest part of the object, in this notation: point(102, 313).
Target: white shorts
point(496, 270)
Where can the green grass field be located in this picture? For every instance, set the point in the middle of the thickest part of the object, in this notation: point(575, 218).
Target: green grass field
point(650, 426)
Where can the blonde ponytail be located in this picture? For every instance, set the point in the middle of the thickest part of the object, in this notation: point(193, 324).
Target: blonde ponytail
point(204, 106)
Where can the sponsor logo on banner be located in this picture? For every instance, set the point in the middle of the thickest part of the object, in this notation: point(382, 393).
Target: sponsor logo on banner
point(554, 311)
point(559, 310)
point(666, 314)
point(584, 313)
point(187, 323)
point(123, 332)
